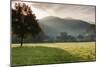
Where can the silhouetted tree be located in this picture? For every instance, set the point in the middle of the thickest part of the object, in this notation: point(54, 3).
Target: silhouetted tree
point(80, 37)
point(63, 36)
point(24, 22)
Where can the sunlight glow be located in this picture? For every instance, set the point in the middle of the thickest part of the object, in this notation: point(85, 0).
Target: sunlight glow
point(39, 13)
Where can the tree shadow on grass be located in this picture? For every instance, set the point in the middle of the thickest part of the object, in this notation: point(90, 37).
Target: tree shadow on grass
point(39, 55)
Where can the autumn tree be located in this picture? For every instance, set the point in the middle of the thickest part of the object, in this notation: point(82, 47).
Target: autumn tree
point(24, 22)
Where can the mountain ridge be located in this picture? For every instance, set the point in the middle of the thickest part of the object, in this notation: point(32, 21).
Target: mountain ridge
point(52, 26)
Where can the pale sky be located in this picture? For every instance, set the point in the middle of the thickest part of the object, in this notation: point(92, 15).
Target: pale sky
point(82, 12)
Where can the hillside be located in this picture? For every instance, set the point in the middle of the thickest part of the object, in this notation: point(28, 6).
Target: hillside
point(52, 26)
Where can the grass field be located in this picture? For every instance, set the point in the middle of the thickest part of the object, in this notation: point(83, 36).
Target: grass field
point(50, 53)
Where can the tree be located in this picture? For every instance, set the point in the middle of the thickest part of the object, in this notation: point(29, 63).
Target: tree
point(24, 22)
point(63, 36)
point(80, 37)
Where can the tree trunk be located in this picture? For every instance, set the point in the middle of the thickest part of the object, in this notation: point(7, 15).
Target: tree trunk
point(22, 28)
point(22, 37)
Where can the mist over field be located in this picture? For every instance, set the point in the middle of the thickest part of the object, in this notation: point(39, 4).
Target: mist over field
point(62, 29)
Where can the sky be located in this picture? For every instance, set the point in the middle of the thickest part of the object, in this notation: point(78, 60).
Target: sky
point(82, 12)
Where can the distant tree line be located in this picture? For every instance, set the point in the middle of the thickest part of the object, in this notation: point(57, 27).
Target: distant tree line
point(63, 37)
point(81, 37)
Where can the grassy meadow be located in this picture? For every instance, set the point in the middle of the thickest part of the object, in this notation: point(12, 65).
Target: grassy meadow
point(51, 53)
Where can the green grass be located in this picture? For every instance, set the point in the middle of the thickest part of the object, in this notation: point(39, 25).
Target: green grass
point(49, 53)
